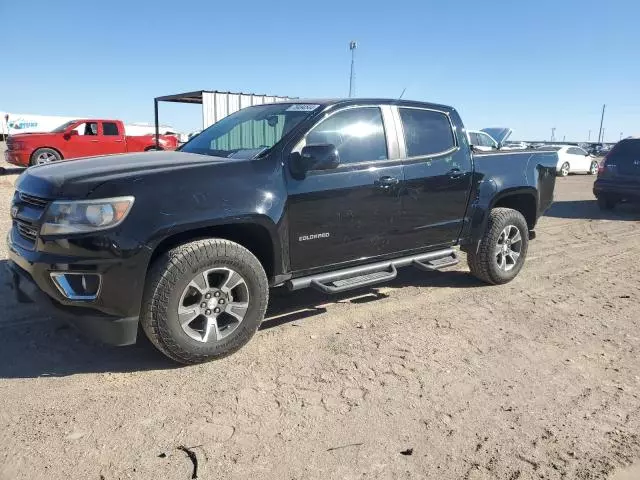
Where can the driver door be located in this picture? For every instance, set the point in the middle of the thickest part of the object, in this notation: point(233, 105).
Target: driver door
point(86, 143)
point(352, 211)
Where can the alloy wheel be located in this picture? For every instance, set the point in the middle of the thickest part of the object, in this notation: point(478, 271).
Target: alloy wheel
point(44, 158)
point(508, 248)
point(213, 304)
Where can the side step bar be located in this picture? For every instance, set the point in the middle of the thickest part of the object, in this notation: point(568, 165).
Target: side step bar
point(366, 275)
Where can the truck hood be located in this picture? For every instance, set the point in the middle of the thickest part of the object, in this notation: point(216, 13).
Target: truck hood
point(77, 178)
point(27, 135)
point(499, 134)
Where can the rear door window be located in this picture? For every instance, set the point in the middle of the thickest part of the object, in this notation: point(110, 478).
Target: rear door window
point(426, 132)
point(110, 128)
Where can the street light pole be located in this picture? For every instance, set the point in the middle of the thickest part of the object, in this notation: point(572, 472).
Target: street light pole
point(352, 79)
point(601, 134)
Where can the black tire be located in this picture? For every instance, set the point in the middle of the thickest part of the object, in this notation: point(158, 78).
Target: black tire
point(49, 152)
point(169, 276)
point(563, 172)
point(594, 168)
point(483, 263)
point(605, 202)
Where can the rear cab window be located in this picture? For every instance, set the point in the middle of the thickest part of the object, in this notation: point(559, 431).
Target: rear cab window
point(625, 151)
point(110, 129)
point(426, 132)
point(625, 157)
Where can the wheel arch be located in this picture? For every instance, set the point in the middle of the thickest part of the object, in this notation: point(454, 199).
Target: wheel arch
point(523, 200)
point(254, 236)
point(57, 150)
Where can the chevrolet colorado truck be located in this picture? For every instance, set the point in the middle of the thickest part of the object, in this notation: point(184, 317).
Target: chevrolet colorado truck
point(328, 194)
point(80, 138)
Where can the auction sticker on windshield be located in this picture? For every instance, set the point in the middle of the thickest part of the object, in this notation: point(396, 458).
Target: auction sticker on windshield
point(302, 107)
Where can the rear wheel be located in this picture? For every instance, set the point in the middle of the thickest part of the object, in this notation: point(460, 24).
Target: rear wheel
point(503, 247)
point(204, 300)
point(564, 169)
point(605, 202)
point(593, 169)
point(43, 156)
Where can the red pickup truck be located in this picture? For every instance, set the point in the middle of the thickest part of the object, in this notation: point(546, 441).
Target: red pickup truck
point(80, 138)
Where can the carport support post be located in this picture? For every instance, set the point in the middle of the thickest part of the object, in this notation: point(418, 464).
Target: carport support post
point(155, 111)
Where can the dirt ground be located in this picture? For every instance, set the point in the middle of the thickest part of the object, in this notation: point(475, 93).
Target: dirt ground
point(432, 376)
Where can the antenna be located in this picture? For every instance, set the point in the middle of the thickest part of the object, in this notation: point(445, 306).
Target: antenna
point(402, 94)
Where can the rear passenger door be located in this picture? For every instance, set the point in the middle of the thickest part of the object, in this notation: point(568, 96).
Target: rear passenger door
point(112, 138)
point(437, 170)
point(350, 212)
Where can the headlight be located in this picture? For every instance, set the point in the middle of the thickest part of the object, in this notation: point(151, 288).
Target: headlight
point(85, 215)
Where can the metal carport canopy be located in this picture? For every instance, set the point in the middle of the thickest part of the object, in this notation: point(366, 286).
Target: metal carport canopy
point(216, 104)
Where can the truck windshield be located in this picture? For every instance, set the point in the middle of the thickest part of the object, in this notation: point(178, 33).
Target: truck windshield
point(249, 132)
point(63, 127)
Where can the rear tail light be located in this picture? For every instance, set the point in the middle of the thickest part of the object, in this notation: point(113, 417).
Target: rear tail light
point(604, 166)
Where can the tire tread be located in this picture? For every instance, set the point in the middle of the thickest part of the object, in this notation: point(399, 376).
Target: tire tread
point(166, 272)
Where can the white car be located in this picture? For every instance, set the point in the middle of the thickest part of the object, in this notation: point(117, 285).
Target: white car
point(573, 159)
point(482, 141)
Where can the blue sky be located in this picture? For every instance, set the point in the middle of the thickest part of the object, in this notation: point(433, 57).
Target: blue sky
point(530, 65)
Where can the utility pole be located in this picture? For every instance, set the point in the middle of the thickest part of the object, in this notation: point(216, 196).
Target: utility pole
point(589, 139)
point(352, 79)
point(620, 135)
point(553, 134)
point(601, 135)
point(564, 138)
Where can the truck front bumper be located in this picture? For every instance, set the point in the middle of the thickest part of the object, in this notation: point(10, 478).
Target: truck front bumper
point(108, 329)
point(17, 157)
point(111, 316)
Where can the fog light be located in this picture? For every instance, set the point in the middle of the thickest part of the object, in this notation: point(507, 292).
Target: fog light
point(77, 286)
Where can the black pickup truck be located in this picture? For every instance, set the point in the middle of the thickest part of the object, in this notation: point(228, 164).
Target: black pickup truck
point(328, 194)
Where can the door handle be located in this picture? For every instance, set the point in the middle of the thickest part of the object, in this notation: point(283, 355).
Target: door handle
point(455, 173)
point(118, 141)
point(386, 182)
point(94, 141)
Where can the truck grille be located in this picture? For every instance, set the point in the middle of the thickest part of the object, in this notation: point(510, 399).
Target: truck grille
point(26, 230)
point(33, 200)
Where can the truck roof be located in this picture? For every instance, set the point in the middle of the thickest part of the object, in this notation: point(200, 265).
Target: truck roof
point(326, 102)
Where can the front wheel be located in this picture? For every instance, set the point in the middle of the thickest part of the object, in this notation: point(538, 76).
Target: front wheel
point(503, 247)
point(593, 169)
point(43, 156)
point(204, 300)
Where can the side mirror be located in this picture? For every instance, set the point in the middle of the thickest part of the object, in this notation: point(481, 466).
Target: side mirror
point(319, 157)
point(70, 133)
point(499, 146)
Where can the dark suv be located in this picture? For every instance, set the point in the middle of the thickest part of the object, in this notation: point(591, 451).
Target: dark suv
point(619, 175)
